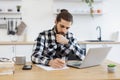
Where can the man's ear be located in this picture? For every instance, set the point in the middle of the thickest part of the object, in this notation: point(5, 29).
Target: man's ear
point(55, 22)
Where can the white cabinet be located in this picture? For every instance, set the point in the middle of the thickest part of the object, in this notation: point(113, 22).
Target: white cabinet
point(24, 50)
point(10, 51)
point(6, 51)
point(77, 7)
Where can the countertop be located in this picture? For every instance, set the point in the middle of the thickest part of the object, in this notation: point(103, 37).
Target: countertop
point(17, 42)
point(33, 42)
point(87, 42)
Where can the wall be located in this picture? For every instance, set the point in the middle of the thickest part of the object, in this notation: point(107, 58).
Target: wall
point(39, 16)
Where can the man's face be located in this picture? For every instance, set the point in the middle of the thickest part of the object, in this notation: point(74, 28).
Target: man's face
point(63, 26)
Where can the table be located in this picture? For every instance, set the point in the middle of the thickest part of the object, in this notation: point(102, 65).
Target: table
point(93, 73)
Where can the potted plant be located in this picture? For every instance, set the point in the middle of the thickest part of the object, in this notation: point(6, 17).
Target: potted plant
point(111, 67)
point(90, 4)
point(18, 8)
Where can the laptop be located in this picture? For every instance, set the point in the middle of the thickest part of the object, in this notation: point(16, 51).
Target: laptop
point(94, 57)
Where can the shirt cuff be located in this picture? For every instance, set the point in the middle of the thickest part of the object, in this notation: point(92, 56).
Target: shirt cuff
point(68, 45)
point(47, 62)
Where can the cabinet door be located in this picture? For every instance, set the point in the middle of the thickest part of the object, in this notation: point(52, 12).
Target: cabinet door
point(24, 50)
point(6, 51)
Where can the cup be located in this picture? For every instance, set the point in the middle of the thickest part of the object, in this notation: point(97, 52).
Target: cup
point(21, 60)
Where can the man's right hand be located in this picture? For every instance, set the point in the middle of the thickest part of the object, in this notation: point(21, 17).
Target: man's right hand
point(61, 39)
point(57, 63)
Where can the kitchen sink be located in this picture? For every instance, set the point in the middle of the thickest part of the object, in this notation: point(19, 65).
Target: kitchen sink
point(99, 41)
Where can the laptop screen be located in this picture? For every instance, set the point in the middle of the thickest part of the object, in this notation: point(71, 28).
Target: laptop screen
point(95, 56)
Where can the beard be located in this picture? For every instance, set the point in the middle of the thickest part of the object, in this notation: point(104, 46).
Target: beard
point(62, 33)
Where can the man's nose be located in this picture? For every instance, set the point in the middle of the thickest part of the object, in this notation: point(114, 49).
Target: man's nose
point(64, 30)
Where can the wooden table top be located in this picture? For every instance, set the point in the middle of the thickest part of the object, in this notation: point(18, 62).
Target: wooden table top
point(92, 73)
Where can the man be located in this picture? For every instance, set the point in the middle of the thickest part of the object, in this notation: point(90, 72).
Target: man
point(57, 43)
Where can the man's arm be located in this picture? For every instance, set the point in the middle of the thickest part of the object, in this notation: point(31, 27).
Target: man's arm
point(37, 56)
point(71, 45)
point(75, 47)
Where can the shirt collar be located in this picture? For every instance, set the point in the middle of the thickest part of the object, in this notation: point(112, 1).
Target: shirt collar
point(54, 29)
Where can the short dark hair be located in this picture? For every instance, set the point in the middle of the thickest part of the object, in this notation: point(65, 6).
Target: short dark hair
point(64, 14)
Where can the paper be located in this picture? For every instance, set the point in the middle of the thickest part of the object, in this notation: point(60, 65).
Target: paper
point(48, 68)
point(6, 73)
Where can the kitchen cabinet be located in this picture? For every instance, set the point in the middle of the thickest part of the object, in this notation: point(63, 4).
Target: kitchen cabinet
point(6, 51)
point(12, 49)
point(24, 50)
point(77, 7)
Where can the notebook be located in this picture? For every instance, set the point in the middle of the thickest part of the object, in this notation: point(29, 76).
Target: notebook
point(94, 57)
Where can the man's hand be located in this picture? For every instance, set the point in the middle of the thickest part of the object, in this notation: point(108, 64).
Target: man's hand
point(57, 63)
point(61, 39)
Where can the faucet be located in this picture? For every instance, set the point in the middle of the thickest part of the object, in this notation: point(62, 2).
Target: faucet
point(99, 28)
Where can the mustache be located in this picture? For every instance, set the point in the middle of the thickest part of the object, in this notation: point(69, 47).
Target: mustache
point(62, 33)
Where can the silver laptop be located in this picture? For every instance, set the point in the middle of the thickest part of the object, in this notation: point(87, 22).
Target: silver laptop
point(94, 57)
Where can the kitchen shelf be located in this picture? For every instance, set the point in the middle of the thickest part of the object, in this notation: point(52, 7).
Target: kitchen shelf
point(17, 43)
point(10, 13)
point(77, 7)
point(77, 0)
point(77, 13)
point(81, 12)
point(10, 0)
point(8, 8)
point(95, 14)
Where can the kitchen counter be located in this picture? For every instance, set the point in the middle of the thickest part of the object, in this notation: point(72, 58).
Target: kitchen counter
point(87, 42)
point(32, 42)
point(17, 43)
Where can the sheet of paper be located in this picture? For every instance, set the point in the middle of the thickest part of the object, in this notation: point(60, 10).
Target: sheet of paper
point(48, 68)
point(6, 73)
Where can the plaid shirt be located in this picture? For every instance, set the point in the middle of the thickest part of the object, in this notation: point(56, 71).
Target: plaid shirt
point(47, 48)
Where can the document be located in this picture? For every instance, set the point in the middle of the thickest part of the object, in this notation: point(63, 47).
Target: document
point(48, 68)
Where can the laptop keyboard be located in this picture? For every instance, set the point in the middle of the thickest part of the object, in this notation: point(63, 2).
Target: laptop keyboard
point(75, 63)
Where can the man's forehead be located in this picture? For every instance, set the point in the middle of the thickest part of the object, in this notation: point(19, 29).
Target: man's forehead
point(65, 23)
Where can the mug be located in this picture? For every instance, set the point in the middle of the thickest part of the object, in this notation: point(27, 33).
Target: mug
point(19, 60)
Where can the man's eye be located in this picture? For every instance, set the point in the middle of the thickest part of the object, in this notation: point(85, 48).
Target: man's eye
point(62, 26)
point(67, 27)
